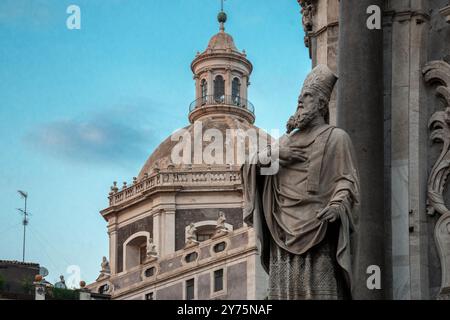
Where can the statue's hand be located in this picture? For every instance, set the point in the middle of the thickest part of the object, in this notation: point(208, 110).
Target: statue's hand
point(330, 214)
point(289, 154)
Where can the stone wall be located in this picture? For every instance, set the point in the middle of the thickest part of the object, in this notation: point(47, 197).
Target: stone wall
point(174, 292)
point(145, 224)
point(236, 282)
point(16, 274)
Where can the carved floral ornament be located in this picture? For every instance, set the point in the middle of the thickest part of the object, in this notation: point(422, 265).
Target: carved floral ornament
point(438, 73)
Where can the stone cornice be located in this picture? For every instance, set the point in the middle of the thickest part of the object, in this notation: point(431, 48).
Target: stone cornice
point(323, 29)
point(221, 109)
point(222, 55)
point(406, 15)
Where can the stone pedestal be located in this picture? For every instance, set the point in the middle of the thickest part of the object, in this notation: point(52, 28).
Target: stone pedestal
point(39, 289)
point(85, 294)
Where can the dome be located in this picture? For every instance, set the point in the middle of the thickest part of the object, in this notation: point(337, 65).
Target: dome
point(161, 157)
point(222, 41)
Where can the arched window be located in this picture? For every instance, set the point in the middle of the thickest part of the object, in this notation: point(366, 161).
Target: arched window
point(236, 91)
point(219, 89)
point(204, 87)
point(205, 233)
point(135, 249)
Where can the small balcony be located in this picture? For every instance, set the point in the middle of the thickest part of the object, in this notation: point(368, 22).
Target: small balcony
point(229, 101)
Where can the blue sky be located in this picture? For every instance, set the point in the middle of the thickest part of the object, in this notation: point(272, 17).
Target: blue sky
point(80, 109)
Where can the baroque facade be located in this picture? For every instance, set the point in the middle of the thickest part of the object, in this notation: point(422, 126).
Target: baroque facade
point(392, 98)
point(177, 232)
point(406, 64)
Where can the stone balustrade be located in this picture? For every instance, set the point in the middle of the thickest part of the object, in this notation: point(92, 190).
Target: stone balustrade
point(174, 178)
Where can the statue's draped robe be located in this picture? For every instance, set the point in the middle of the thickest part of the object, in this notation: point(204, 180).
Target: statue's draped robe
point(306, 258)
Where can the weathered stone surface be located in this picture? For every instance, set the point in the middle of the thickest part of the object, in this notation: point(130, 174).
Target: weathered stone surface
point(236, 275)
point(174, 292)
point(360, 112)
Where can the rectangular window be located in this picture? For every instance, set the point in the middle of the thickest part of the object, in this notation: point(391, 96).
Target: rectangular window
point(190, 289)
point(149, 296)
point(218, 280)
point(204, 236)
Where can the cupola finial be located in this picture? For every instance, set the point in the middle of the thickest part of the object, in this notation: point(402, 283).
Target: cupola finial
point(222, 17)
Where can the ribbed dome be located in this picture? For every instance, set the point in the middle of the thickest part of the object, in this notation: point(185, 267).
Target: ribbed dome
point(222, 41)
point(161, 157)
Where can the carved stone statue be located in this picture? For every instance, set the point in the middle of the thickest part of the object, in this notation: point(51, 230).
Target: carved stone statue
point(220, 227)
point(151, 249)
point(191, 235)
point(105, 267)
point(305, 215)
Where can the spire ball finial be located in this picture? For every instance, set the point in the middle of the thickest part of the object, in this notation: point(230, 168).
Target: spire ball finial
point(222, 17)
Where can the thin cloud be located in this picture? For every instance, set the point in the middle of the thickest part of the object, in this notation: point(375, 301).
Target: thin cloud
point(116, 136)
point(28, 12)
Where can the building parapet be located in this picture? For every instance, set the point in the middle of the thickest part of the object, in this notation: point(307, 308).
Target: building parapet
point(174, 178)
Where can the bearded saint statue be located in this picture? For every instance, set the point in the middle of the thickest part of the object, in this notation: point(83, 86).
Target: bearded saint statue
point(305, 215)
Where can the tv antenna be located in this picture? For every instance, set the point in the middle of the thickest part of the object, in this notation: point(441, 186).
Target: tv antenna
point(25, 214)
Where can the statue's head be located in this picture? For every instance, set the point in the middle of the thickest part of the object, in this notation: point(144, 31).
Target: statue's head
point(315, 96)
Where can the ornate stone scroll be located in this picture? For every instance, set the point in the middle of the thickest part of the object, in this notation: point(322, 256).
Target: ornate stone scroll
point(438, 73)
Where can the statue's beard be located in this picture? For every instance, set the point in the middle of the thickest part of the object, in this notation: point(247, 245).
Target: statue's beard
point(303, 120)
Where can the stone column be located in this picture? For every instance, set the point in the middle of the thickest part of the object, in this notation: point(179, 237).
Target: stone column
point(360, 113)
point(169, 231)
point(244, 87)
point(157, 234)
point(164, 231)
point(228, 82)
point(112, 232)
point(406, 28)
point(198, 90)
point(210, 83)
